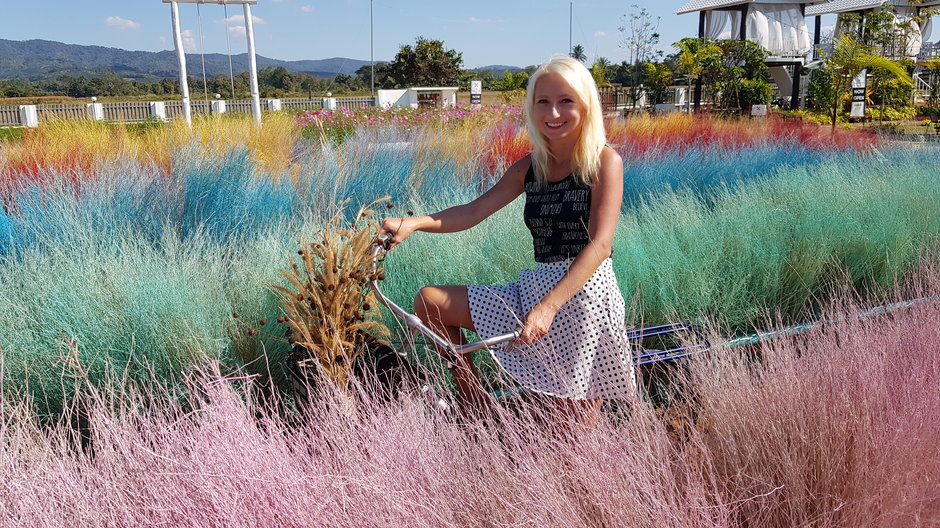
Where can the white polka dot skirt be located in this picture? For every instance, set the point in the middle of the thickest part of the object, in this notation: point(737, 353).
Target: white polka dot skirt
point(585, 354)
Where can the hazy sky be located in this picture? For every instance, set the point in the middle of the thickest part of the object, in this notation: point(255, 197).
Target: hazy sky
point(510, 32)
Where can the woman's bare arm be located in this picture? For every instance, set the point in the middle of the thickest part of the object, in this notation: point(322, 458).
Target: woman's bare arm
point(462, 217)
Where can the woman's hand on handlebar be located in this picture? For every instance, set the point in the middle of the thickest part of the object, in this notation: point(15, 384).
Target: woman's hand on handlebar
point(537, 323)
point(399, 228)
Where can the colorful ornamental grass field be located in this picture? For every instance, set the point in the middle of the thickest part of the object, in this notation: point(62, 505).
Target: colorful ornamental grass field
point(124, 253)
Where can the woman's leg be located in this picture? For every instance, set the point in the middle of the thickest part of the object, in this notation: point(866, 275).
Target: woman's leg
point(582, 412)
point(446, 309)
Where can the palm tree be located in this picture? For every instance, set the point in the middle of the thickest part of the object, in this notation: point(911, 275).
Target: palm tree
point(849, 58)
point(577, 53)
point(599, 71)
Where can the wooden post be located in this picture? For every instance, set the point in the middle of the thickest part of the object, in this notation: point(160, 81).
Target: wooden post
point(744, 22)
point(795, 93)
point(697, 94)
point(817, 29)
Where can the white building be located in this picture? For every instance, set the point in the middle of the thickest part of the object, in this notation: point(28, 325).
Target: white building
point(417, 96)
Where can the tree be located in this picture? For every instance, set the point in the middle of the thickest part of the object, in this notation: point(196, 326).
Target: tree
point(382, 75)
point(932, 66)
point(848, 59)
point(658, 80)
point(882, 31)
point(577, 53)
point(821, 92)
point(696, 56)
point(426, 64)
point(599, 71)
point(511, 81)
point(278, 78)
point(640, 35)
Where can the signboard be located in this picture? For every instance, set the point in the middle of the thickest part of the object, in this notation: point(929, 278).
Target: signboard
point(758, 110)
point(476, 92)
point(858, 94)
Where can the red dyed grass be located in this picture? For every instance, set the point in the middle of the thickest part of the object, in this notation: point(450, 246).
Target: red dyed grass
point(650, 137)
point(507, 144)
point(836, 428)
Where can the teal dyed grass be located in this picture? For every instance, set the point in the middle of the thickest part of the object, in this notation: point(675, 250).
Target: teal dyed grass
point(735, 254)
point(778, 245)
point(143, 309)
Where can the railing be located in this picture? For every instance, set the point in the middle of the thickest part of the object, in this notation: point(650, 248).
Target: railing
point(69, 112)
point(613, 99)
point(9, 116)
point(301, 104)
point(126, 112)
point(174, 109)
point(238, 107)
point(355, 102)
point(131, 112)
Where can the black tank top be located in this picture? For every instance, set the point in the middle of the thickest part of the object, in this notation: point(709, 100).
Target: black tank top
point(557, 215)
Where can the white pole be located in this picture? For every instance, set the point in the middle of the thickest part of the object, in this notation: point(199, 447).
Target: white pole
point(252, 66)
point(372, 46)
point(181, 57)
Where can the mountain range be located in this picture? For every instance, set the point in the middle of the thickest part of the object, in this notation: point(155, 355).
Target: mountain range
point(38, 60)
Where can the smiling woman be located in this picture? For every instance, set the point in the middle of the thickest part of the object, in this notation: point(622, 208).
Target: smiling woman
point(568, 311)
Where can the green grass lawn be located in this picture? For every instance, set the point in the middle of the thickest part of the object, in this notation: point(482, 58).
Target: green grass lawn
point(10, 133)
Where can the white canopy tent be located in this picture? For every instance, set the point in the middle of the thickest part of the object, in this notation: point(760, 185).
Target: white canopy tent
point(181, 53)
point(904, 11)
point(777, 26)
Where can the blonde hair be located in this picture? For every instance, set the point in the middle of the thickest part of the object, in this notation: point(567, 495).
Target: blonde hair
point(587, 150)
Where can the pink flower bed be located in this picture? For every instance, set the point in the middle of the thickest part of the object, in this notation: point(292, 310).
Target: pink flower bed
point(838, 427)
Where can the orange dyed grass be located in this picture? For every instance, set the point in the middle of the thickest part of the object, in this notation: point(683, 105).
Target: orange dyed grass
point(76, 149)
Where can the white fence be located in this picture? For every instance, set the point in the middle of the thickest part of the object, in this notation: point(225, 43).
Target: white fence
point(136, 112)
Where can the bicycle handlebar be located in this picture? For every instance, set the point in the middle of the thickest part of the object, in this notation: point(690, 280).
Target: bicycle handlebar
point(450, 350)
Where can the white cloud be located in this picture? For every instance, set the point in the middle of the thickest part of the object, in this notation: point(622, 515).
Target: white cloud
point(163, 40)
point(121, 23)
point(308, 9)
point(477, 20)
point(600, 34)
point(189, 41)
point(238, 30)
point(240, 19)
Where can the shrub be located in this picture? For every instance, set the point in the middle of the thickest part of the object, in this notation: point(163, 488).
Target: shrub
point(892, 114)
point(821, 93)
point(742, 93)
point(933, 112)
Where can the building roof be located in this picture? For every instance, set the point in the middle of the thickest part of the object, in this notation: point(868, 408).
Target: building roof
point(708, 5)
point(842, 6)
point(847, 6)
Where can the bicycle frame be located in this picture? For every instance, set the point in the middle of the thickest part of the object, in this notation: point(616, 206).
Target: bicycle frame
point(452, 351)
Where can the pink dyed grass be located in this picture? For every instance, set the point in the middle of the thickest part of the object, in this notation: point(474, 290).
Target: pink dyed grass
point(837, 427)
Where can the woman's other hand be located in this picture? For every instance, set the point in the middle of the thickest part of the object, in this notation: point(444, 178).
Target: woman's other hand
point(536, 324)
point(399, 228)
